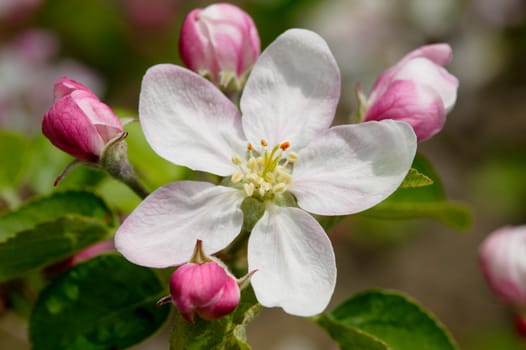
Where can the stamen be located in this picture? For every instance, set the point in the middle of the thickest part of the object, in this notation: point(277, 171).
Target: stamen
point(292, 157)
point(252, 163)
point(237, 160)
point(279, 188)
point(264, 172)
point(249, 189)
point(237, 176)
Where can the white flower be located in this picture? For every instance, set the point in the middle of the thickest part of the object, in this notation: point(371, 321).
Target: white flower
point(282, 144)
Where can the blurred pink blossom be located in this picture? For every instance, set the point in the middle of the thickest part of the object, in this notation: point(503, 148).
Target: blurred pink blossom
point(502, 257)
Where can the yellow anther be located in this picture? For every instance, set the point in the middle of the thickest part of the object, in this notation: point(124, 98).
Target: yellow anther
point(249, 189)
point(269, 177)
point(264, 143)
point(252, 163)
point(237, 160)
point(261, 191)
point(292, 157)
point(237, 176)
point(285, 178)
point(253, 178)
point(260, 161)
point(279, 188)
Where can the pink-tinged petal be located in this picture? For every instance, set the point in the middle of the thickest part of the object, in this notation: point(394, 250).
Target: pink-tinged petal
point(205, 289)
point(68, 128)
point(414, 103)
point(440, 54)
point(351, 168)
point(226, 303)
point(292, 91)
point(101, 116)
point(294, 262)
point(221, 38)
point(502, 257)
point(425, 72)
point(65, 86)
point(78, 122)
point(233, 35)
point(195, 47)
point(188, 121)
point(163, 229)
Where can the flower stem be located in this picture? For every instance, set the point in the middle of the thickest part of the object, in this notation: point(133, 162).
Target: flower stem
point(115, 162)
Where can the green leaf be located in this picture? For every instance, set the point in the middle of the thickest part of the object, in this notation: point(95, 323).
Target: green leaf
point(389, 318)
point(350, 338)
point(13, 158)
point(414, 178)
point(228, 332)
point(52, 207)
point(429, 201)
point(453, 214)
point(104, 303)
point(48, 243)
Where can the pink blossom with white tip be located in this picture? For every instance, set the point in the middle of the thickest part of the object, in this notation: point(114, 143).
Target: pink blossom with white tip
point(417, 90)
point(220, 41)
point(78, 122)
point(204, 289)
point(502, 257)
point(281, 151)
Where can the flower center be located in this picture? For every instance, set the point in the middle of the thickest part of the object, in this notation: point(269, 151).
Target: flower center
point(264, 173)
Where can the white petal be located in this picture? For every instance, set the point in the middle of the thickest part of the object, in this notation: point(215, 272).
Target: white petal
point(163, 229)
point(292, 92)
point(353, 167)
point(295, 263)
point(188, 121)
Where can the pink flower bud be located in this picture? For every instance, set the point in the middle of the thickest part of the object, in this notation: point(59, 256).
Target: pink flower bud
point(417, 90)
point(78, 122)
point(502, 257)
point(220, 41)
point(204, 289)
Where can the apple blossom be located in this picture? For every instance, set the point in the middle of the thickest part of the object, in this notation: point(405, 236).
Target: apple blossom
point(281, 152)
point(502, 257)
point(79, 123)
point(417, 90)
point(220, 42)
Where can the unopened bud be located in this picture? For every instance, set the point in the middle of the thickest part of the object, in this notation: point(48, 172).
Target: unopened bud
point(220, 41)
point(204, 289)
point(79, 123)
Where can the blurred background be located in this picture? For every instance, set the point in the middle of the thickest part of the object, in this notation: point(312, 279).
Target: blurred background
point(480, 155)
